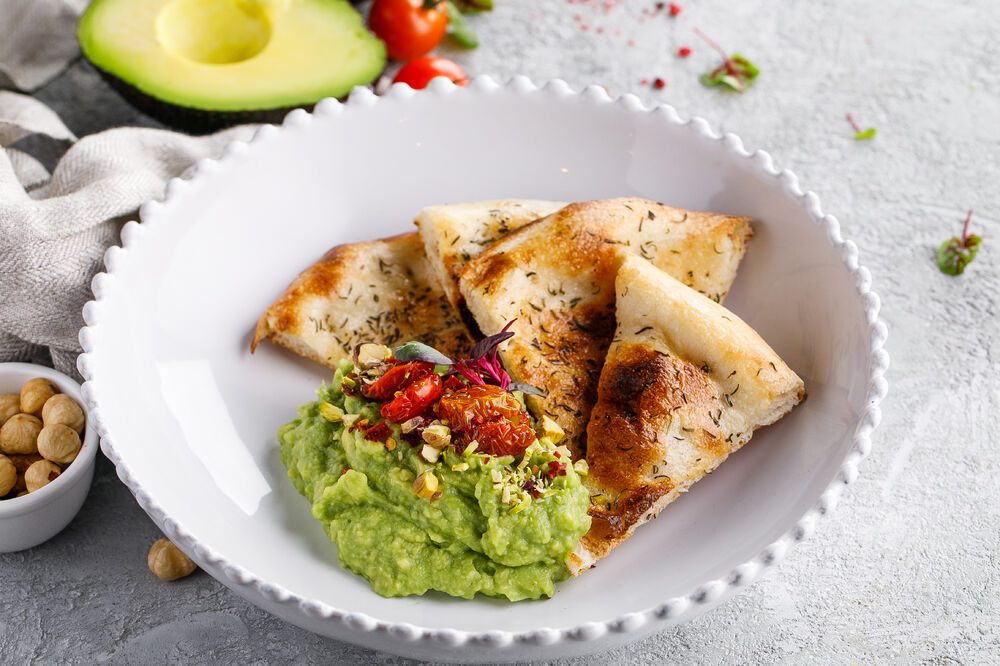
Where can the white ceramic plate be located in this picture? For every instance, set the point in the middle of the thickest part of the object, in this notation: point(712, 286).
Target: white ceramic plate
point(189, 416)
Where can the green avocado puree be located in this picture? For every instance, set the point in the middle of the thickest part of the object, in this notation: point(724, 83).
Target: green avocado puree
point(464, 541)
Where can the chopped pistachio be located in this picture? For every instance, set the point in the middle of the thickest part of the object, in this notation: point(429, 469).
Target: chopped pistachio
point(438, 436)
point(581, 467)
point(549, 428)
point(460, 467)
point(350, 419)
point(429, 453)
point(471, 448)
point(564, 452)
point(390, 444)
point(496, 476)
point(347, 381)
point(410, 425)
point(425, 485)
point(371, 354)
point(505, 495)
point(331, 412)
point(599, 500)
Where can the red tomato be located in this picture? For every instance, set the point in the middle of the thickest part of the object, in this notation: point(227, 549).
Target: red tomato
point(414, 399)
point(385, 387)
point(408, 29)
point(491, 416)
point(418, 73)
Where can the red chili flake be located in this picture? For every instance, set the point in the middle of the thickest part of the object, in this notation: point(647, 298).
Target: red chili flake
point(600, 30)
point(659, 83)
point(684, 51)
point(530, 486)
point(555, 469)
point(643, 82)
point(344, 471)
point(486, 460)
point(675, 9)
point(378, 432)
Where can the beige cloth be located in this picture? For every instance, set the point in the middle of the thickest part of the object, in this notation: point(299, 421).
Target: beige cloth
point(55, 228)
point(37, 40)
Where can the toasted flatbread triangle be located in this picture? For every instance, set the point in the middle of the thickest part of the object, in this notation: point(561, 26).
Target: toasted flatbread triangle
point(455, 233)
point(685, 383)
point(376, 291)
point(556, 277)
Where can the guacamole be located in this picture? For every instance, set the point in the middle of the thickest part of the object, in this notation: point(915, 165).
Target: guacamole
point(497, 525)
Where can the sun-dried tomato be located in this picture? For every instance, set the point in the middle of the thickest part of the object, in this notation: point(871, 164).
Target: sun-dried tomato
point(489, 415)
point(414, 399)
point(395, 379)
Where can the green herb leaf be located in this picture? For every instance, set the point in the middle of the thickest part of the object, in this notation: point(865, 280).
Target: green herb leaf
point(736, 72)
point(867, 134)
point(474, 6)
point(459, 29)
point(527, 389)
point(956, 253)
point(418, 351)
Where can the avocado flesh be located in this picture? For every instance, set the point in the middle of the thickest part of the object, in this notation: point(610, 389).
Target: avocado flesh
point(232, 55)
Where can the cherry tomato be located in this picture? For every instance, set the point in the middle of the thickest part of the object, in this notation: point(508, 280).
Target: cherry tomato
point(414, 399)
point(418, 73)
point(408, 28)
point(385, 387)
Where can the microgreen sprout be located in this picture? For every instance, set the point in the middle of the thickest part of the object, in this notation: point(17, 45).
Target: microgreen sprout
point(736, 71)
point(956, 253)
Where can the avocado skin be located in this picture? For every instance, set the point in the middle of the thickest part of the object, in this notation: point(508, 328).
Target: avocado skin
point(189, 119)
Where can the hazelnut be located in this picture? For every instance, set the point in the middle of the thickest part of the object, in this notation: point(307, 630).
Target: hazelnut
point(8, 475)
point(63, 409)
point(41, 473)
point(22, 461)
point(19, 434)
point(58, 443)
point(10, 404)
point(35, 393)
point(168, 562)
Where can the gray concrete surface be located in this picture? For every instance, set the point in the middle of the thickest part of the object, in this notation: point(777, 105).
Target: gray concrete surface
point(907, 570)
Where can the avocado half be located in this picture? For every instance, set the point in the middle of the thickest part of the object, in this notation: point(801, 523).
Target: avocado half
point(205, 64)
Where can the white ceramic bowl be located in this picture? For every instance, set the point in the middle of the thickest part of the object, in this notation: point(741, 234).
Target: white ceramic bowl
point(34, 518)
point(189, 416)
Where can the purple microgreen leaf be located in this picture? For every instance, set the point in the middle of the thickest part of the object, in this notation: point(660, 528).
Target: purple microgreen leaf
point(490, 343)
point(418, 351)
point(463, 368)
point(527, 389)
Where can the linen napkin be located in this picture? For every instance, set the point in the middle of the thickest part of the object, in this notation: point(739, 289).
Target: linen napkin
point(54, 228)
point(37, 40)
